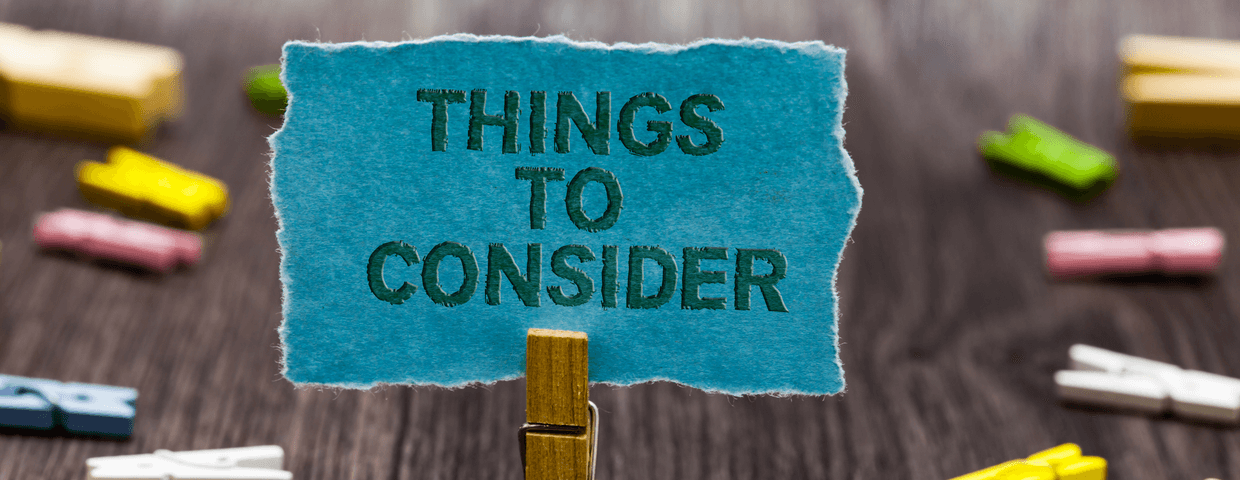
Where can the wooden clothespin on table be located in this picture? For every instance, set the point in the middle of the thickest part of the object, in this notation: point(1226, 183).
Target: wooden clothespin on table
point(560, 437)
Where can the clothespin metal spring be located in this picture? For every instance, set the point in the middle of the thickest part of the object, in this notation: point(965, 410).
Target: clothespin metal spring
point(591, 430)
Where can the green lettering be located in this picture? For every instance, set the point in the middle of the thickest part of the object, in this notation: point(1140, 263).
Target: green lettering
point(374, 272)
point(637, 254)
point(500, 262)
point(624, 127)
point(538, 177)
point(439, 100)
point(610, 275)
point(538, 122)
point(595, 134)
point(694, 277)
point(689, 115)
point(430, 274)
point(576, 208)
point(583, 282)
point(478, 118)
point(765, 283)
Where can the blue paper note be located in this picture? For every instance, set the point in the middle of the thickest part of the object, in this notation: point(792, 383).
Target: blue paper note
point(685, 206)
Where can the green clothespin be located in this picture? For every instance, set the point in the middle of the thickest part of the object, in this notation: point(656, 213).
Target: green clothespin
point(1037, 152)
point(262, 85)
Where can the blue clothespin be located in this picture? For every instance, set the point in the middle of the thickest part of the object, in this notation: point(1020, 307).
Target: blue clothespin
point(78, 408)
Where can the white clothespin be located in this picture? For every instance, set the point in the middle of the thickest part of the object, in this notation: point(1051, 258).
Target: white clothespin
point(1106, 378)
point(246, 463)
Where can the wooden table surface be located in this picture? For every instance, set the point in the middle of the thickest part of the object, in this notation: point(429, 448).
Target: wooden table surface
point(950, 330)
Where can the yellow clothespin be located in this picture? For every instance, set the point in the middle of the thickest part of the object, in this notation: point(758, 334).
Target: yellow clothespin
point(1063, 462)
point(145, 187)
point(560, 437)
point(1178, 86)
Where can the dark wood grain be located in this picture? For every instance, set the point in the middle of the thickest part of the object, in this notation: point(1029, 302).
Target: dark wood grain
point(950, 330)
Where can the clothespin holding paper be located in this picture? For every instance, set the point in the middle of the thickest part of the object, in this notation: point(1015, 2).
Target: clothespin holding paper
point(483, 197)
point(1178, 86)
point(560, 437)
point(245, 463)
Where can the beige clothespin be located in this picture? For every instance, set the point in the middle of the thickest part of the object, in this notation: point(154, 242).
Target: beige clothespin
point(1181, 87)
point(87, 86)
point(560, 437)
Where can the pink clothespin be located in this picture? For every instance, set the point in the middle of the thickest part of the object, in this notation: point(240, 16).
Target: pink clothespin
point(131, 242)
point(1179, 251)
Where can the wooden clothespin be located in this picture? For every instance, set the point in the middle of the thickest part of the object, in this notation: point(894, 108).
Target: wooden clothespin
point(560, 437)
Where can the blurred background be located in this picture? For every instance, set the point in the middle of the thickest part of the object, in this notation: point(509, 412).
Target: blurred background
point(950, 328)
